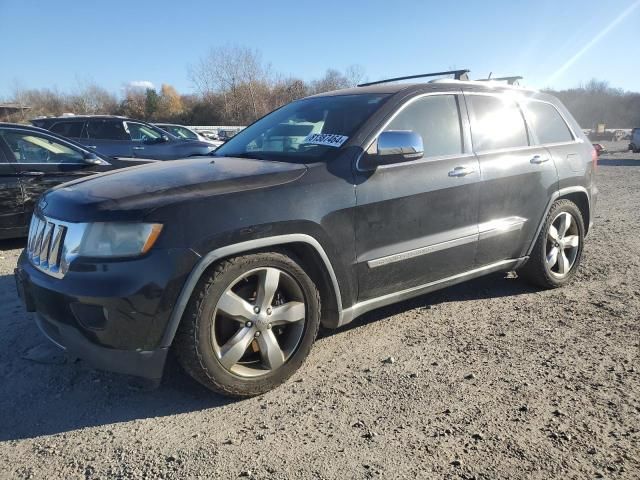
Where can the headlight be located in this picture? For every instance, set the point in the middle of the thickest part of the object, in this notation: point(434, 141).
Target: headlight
point(118, 239)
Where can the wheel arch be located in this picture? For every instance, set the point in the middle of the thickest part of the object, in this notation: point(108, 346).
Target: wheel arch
point(304, 248)
point(581, 199)
point(577, 195)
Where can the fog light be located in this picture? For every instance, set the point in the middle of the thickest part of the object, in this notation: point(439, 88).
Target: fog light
point(92, 317)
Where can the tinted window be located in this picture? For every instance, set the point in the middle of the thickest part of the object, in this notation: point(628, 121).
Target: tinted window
point(107, 130)
point(496, 123)
point(547, 123)
point(143, 133)
point(68, 129)
point(437, 120)
point(31, 147)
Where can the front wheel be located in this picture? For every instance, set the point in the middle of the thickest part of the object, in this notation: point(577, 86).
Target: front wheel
point(250, 324)
point(558, 249)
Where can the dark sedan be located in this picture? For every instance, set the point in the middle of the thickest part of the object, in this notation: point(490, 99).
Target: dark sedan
point(124, 137)
point(32, 160)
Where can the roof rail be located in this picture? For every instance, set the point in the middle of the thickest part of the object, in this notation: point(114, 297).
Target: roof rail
point(509, 80)
point(457, 74)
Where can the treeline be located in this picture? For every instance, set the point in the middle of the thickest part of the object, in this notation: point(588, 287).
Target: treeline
point(234, 86)
point(596, 102)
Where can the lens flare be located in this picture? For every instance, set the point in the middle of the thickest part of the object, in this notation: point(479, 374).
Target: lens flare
point(628, 11)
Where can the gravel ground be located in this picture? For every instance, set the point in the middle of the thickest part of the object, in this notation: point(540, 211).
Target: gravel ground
point(489, 379)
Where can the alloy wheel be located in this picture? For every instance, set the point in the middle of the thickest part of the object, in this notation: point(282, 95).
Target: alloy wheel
point(258, 322)
point(563, 242)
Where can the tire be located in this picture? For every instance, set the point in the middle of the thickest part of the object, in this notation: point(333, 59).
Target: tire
point(541, 269)
point(234, 305)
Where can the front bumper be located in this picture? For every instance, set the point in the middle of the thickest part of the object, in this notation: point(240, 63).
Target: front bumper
point(113, 314)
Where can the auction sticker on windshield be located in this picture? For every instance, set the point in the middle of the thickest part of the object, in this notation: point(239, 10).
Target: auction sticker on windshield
point(327, 139)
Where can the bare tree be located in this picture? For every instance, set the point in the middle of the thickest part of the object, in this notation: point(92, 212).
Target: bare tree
point(92, 99)
point(239, 76)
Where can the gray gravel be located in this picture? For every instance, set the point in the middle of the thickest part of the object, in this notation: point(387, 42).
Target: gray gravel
point(489, 379)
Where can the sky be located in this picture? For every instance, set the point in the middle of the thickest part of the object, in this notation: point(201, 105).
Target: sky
point(64, 44)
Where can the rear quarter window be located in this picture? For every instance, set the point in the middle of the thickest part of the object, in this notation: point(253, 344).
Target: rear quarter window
point(107, 130)
point(68, 129)
point(547, 123)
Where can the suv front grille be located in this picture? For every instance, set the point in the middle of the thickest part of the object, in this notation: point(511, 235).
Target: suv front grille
point(45, 245)
point(52, 244)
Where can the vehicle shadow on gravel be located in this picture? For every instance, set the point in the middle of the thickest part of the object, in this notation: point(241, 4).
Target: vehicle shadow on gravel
point(618, 162)
point(490, 286)
point(12, 244)
point(44, 393)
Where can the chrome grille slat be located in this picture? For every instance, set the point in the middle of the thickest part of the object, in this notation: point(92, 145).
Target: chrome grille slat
point(46, 244)
point(52, 244)
point(56, 250)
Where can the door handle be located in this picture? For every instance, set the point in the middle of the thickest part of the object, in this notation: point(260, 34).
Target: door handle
point(138, 148)
point(460, 172)
point(538, 159)
point(33, 174)
point(92, 146)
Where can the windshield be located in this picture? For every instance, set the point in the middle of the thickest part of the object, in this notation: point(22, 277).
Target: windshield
point(307, 130)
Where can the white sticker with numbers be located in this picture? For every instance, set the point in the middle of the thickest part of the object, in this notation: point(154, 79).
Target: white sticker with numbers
point(327, 139)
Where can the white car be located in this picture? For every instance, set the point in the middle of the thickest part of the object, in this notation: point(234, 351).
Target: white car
point(181, 131)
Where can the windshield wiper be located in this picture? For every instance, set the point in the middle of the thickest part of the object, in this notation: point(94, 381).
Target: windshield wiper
point(251, 155)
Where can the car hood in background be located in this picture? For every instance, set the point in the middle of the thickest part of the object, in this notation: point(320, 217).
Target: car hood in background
point(131, 193)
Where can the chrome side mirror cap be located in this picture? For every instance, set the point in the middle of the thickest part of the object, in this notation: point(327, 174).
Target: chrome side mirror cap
point(395, 146)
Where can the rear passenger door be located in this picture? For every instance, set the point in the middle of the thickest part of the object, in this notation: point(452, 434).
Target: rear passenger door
point(109, 137)
point(518, 177)
point(550, 130)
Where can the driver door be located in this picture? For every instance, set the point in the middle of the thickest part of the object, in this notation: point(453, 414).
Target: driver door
point(417, 221)
point(42, 162)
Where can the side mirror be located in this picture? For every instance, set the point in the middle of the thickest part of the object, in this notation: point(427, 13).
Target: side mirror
point(165, 138)
point(395, 146)
point(91, 158)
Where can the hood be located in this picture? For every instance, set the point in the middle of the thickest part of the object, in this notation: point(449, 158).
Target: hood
point(130, 193)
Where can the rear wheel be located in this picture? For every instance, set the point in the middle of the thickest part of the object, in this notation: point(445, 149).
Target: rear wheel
point(249, 325)
point(558, 249)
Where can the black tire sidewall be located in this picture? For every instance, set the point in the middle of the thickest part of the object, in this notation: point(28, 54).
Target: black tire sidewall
point(206, 354)
point(560, 207)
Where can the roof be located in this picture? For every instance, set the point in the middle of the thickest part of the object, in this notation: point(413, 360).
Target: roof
point(435, 85)
point(71, 117)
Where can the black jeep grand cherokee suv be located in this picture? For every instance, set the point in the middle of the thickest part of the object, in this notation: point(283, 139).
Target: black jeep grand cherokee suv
point(327, 208)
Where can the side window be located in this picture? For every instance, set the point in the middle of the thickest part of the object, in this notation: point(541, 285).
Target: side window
point(547, 123)
point(32, 147)
point(107, 130)
point(436, 118)
point(143, 133)
point(496, 122)
point(68, 129)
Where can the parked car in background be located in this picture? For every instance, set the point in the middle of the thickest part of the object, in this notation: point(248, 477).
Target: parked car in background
point(32, 160)
point(124, 137)
point(235, 260)
point(186, 133)
point(210, 134)
point(225, 135)
point(634, 142)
